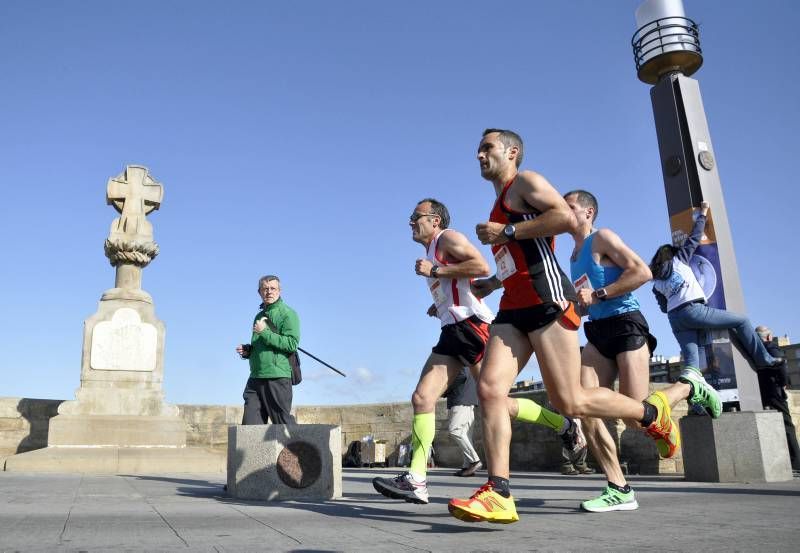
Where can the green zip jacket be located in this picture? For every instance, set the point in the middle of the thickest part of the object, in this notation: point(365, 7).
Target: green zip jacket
point(269, 350)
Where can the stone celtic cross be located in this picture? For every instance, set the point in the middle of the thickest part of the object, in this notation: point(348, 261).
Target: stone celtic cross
point(130, 245)
point(133, 194)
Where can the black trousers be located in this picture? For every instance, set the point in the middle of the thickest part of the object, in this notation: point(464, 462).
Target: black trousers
point(268, 399)
point(779, 404)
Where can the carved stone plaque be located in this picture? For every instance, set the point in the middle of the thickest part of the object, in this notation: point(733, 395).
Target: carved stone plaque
point(124, 343)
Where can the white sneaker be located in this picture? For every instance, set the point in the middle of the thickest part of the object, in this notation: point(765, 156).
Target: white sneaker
point(403, 486)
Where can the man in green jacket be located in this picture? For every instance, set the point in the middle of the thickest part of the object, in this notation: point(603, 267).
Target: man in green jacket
point(276, 333)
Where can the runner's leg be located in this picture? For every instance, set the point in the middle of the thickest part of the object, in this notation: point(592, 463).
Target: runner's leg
point(459, 427)
point(438, 373)
point(559, 360)
point(599, 371)
point(506, 354)
point(634, 377)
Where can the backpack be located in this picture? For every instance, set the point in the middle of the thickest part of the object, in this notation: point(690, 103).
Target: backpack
point(294, 359)
point(352, 458)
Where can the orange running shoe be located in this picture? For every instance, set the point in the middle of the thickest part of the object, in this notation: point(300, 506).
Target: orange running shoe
point(663, 429)
point(485, 505)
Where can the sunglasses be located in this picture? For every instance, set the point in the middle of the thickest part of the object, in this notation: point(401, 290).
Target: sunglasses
point(417, 216)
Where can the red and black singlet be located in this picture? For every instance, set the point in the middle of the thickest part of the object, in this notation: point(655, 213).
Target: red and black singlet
point(528, 268)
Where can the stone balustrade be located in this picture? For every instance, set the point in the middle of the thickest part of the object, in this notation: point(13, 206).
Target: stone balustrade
point(24, 426)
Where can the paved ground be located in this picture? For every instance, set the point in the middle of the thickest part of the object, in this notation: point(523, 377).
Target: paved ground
point(70, 512)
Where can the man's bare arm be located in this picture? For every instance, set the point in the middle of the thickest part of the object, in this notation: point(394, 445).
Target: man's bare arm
point(484, 286)
point(556, 216)
point(635, 271)
point(464, 259)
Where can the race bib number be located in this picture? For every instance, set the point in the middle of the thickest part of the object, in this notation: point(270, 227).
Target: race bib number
point(583, 282)
point(438, 294)
point(505, 263)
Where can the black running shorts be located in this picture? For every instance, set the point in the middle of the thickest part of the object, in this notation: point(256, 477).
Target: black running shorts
point(465, 340)
point(528, 319)
point(620, 333)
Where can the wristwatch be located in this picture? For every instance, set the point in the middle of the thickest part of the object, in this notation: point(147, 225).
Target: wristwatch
point(435, 271)
point(600, 294)
point(510, 231)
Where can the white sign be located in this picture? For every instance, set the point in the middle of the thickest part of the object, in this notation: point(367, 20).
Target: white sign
point(124, 343)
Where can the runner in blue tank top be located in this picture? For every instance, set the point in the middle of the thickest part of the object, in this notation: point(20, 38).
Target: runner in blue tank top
point(597, 276)
point(605, 273)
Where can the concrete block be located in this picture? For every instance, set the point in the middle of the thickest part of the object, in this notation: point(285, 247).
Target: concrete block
point(749, 446)
point(276, 462)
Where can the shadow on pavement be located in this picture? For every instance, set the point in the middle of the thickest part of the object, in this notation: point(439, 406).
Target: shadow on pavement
point(358, 506)
point(371, 506)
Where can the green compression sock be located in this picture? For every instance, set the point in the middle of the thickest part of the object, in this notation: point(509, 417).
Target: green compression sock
point(422, 431)
point(530, 411)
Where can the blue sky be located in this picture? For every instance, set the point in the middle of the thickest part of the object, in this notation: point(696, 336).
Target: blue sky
point(296, 137)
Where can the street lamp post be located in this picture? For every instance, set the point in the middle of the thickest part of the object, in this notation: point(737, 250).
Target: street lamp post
point(738, 447)
point(667, 51)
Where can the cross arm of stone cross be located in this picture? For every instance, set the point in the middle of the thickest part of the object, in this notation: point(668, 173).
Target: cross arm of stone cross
point(134, 192)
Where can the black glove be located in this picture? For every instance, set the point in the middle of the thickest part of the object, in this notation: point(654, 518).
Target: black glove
point(246, 351)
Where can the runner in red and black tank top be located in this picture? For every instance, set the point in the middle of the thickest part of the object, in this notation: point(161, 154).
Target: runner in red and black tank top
point(536, 277)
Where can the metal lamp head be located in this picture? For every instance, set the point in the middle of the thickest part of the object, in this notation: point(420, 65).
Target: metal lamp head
point(666, 41)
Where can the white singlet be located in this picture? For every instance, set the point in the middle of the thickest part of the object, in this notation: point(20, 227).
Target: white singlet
point(452, 296)
point(680, 287)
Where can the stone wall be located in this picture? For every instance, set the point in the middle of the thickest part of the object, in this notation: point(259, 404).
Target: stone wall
point(24, 423)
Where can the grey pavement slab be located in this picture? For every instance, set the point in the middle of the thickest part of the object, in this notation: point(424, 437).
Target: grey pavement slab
point(73, 512)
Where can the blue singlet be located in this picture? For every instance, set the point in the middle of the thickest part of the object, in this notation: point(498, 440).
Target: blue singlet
point(600, 276)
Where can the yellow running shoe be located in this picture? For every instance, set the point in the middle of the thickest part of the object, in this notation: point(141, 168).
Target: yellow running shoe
point(485, 505)
point(663, 429)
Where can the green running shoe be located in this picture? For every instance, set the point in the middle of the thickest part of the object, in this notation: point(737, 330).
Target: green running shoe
point(702, 393)
point(611, 500)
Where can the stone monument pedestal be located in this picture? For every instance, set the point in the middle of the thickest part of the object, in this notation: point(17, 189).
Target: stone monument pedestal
point(273, 462)
point(748, 446)
point(116, 430)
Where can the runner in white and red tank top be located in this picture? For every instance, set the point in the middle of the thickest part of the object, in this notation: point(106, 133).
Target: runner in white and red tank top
point(452, 297)
point(451, 264)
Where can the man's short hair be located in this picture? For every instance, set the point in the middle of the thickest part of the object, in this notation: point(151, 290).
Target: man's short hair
point(763, 332)
point(509, 139)
point(439, 209)
point(585, 199)
point(267, 278)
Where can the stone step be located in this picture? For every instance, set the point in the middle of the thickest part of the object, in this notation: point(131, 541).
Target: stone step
point(118, 460)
